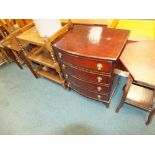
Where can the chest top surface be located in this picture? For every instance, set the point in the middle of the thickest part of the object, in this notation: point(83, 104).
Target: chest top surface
point(93, 41)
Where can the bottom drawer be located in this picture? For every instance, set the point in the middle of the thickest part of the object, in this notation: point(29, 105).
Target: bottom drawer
point(89, 94)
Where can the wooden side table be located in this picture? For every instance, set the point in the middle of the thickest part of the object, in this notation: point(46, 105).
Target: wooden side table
point(44, 59)
point(139, 91)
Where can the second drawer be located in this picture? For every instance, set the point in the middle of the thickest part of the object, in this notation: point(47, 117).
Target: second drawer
point(86, 76)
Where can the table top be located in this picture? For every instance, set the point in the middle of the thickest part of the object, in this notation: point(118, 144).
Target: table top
point(31, 36)
point(139, 59)
point(93, 41)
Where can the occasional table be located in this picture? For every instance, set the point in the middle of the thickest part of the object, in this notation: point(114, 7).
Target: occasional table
point(139, 60)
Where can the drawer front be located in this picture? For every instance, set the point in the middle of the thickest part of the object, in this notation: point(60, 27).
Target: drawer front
point(89, 94)
point(101, 89)
point(84, 62)
point(85, 75)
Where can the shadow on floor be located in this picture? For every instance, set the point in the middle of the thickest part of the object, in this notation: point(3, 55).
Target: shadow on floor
point(77, 129)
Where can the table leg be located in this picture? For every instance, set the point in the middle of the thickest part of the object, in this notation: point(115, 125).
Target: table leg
point(27, 61)
point(125, 92)
point(107, 105)
point(152, 112)
point(150, 117)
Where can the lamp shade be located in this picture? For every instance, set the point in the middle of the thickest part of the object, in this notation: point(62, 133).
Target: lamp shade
point(47, 27)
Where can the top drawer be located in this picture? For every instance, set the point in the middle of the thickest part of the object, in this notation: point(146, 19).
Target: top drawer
point(85, 62)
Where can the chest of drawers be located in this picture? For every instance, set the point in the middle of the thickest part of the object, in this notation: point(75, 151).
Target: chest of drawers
point(87, 56)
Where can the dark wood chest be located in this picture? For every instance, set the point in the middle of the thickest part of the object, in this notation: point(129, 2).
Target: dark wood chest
point(87, 56)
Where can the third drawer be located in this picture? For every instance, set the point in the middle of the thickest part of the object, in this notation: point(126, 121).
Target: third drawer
point(101, 89)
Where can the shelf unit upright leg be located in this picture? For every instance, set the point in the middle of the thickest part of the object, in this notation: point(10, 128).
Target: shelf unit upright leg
point(57, 68)
point(6, 55)
point(26, 60)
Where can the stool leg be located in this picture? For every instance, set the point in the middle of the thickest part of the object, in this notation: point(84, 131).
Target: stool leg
point(150, 117)
point(125, 92)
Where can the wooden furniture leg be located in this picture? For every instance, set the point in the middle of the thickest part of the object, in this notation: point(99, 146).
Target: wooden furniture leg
point(22, 54)
point(152, 112)
point(6, 55)
point(107, 105)
point(125, 92)
point(150, 117)
point(13, 57)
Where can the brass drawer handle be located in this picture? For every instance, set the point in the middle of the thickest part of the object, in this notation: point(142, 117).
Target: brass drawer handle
point(69, 84)
point(99, 89)
point(60, 55)
point(63, 66)
point(66, 76)
point(99, 66)
point(99, 79)
point(99, 97)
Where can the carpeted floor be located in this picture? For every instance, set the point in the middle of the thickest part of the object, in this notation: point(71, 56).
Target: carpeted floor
point(30, 106)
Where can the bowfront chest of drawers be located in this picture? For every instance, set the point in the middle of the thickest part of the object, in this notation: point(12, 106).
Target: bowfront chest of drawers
point(87, 56)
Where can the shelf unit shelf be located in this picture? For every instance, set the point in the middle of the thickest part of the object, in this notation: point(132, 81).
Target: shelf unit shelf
point(51, 75)
point(42, 58)
point(45, 65)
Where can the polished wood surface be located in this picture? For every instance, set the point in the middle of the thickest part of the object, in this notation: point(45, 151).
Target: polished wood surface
point(89, 93)
point(86, 62)
point(97, 88)
point(139, 59)
point(87, 56)
point(86, 75)
point(94, 41)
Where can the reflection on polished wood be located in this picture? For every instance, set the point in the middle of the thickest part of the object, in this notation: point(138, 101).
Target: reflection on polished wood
point(94, 41)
